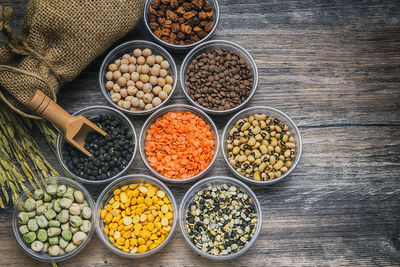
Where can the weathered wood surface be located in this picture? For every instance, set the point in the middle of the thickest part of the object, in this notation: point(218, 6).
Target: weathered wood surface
point(334, 67)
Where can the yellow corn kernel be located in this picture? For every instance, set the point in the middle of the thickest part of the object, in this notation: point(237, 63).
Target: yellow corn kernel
point(136, 232)
point(148, 243)
point(117, 192)
point(116, 198)
point(142, 249)
point(158, 225)
point(167, 228)
point(148, 201)
point(143, 189)
point(137, 226)
point(133, 241)
point(106, 230)
point(125, 249)
point(108, 207)
point(115, 212)
point(133, 186)
point(166, 200)
point(127, 234)
point(164, 208)
point(112, 239)
point(150, 217)
point(145, 234)
point(108, 218)
point(164, 221)
point(151, 192)
point(103, 213)
point(153, 246)
point(133, 201)
point(124, 197)
point(143, 217)
point(141, 241)
point(120, 227)
point(124, 188)
point(121, 241)
point(162, 231)
point(150, 226)
point(169, 215)
point(115, 226)
point(153, 237)
point(111, 233)
point(129, 227)
point(160, 202)
point(117, 235)
point(160, 194)
point(115, 205)
point(155, 199)
point(140, 200)
point(170, 207)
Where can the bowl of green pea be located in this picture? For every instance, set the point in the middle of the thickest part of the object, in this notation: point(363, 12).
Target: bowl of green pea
point(53, 222)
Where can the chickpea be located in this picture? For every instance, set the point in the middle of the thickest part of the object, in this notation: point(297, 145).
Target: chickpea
point(131, 68)
point(109, 75)
point(147, 88)
point(109, 85)
point(113, 67)
point(159, 59)
point(137, 52)
point(139, 68)
point(139, 85)
point(135, 76)
point(120, 103)
point(144, 78)
point(132, 90)
point(150, 60)
point(141, 104)
point(153, 80)
point(124, 61)
point(164, 64)
point(163, 95)
point(126, 104)
point(126, 56)
point(135, 102)
point(145, 69)
point(147, 98)
point(148, 106)
point(117, 62)
point(147, 52)
point(140, 94)
point(116, 88)
point(167, 88)
point(123, 92)
point(163, 73)
point(115, 97)
point(141, 60)
point(127, 76)
point(116, 75)
point(161, 82)
point(130, 83)
point(132, 60)
point(156, 90)
point(124, 68)
point(129, 98)
point(121, 81)
point(169, 80)
point(156, 101)
point(155, 70)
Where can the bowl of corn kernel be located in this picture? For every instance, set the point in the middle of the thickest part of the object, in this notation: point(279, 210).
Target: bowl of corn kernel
point(136, 216)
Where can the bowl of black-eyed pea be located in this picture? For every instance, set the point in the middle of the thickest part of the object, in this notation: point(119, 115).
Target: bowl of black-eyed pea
point(138, 77)
point(261, 145)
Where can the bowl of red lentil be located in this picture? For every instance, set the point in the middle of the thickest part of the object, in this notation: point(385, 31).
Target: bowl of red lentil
point(135, 216)
point(179, 143)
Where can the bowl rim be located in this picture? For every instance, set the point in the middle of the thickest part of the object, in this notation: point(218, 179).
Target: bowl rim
point(23, 195)
point(117, 182)
point(256, 109)
point(60, 139)
point(198, 186)
point(111, 54)
point(216, 11)
point(171, 108)
point(229, 46)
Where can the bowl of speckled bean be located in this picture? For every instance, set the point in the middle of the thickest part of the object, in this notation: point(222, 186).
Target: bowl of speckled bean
point(261, 145)
point(220, 218)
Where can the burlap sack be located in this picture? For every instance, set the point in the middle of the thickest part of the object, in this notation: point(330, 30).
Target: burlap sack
point(59, 39)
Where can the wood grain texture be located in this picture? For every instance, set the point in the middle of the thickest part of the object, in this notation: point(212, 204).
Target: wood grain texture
point(334, 68)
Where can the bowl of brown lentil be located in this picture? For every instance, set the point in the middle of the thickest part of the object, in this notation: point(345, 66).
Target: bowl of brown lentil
point(179, 143)
point(220, 218)
point(138, 77)
point(146, 214)
point(261, 145)
point(180, 26)
point(219, 77)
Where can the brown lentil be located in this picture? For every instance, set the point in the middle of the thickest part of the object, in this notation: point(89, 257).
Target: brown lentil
point(219, 79)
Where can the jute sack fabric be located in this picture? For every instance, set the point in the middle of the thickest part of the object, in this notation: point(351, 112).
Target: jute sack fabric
point(59, 39)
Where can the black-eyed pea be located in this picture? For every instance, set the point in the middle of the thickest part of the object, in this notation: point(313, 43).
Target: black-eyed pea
point(290, 145)
point(258, 137)
point(278, 165)
point(291, 139)
point(271, 175)
point(278, 149)
point(256, 130)
point(277, 174)
point(278, 136)
point(245, 126)
point(285, 138)
point(236, 142)
point(281, 157)
point(251, 158)
point(260, 117)
point(250, 119)
point(278, 129)
point(263, 149)
point(262, 167)
point(271, 149)
point(242, 158)
point(287, 153)
point(256, 145)
point(236, 150)
point(263, 125)
point(257, 176)
point(284, 169)
point(247, 152)
point(251, 141)
point(288, 164)
point(264, 176)
point(272, 160)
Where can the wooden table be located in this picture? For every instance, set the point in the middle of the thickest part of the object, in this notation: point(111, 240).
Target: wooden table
point(333, 67)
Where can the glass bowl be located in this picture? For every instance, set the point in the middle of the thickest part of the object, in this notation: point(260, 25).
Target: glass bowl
point(219, 44)
point(177, 108)
point(106, 195)
point(21, 199)
point(183, 48)
point(127, 48)
point(273, 113)
point(88, 112)
point(217, 180)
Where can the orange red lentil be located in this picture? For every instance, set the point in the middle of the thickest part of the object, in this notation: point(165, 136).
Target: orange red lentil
point(137, 218)
point(179, 145)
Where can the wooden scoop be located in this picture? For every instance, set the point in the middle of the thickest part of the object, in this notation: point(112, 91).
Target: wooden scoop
point(75, 128)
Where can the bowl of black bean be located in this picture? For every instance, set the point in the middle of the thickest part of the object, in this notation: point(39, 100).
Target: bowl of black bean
point(219, 77)
point(261, 145)
point(112, 154)
point(220, 218)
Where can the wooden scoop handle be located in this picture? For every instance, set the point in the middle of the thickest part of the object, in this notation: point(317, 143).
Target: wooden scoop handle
point(45, 107)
